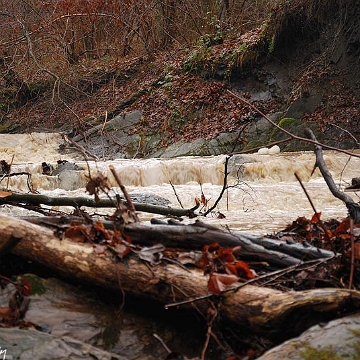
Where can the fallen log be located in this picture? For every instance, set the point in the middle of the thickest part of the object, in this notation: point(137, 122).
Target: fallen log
point(6, 244)
point(194, 237)
point(77, 202)
point(264, 311)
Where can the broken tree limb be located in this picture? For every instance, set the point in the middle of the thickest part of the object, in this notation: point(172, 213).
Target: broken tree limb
point(194, 237)
point(260, 310)
point(77, 202)
point(352, 206)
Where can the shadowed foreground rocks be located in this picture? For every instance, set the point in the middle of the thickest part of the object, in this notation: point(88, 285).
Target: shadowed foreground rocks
point(337, 339)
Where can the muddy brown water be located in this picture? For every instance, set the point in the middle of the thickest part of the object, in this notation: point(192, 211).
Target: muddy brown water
point(263, 197)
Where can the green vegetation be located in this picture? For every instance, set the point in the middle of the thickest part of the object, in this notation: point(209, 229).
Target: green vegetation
point(37, 284)
point(328, 353)
point(272, 44)
point(284, 123)
point(319, 354)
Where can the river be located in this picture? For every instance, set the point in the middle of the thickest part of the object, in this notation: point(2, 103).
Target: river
point(263, 197)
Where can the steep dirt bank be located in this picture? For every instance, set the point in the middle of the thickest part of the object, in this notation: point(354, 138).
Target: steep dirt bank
point(304, 71)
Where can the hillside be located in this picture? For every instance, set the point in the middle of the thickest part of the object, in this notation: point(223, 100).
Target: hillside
point(300, 64)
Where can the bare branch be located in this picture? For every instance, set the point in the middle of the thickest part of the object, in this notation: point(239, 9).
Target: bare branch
point(223, 188)
point(126, 194)
point(76, 202)
point(353, 207)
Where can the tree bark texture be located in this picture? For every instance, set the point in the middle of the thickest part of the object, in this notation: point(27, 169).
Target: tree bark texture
point(194, 237)
point(264, 311)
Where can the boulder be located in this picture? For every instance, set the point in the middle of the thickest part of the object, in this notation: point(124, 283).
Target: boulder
point(337, 339)
point(32, 344)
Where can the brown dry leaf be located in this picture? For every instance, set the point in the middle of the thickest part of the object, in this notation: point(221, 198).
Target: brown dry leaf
point(240, 268)
point(6, 313)
point(122, 250)
point(99, 249)
point(97, 183)
point(316, 218)
point(99, 228)
point(220, 282)
point(357, 251)
point(4, 193)
point(77, 233)
point(152, 254)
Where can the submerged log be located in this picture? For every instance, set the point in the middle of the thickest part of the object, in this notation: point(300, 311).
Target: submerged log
point(260, 310)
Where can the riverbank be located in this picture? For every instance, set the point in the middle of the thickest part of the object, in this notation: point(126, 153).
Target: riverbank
point(180, 95)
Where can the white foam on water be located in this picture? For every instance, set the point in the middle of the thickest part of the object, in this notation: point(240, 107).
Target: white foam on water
point(264, 195)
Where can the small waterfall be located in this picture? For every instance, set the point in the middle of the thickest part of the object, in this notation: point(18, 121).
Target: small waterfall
point(147, 172)
point(30, 148)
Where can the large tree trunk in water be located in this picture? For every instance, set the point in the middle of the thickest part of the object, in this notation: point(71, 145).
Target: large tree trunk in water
point(269, 313)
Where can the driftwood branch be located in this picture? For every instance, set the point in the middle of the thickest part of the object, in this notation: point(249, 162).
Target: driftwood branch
point(352, 206)
point(77, 202)
point(194, 237)
point(225, 185)
point(266, 312)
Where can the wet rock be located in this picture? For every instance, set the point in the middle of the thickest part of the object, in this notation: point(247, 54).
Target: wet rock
point(149, 199)
point(306, 104)
point(70, 180)
point(224, 143)
point(32, 344)
point(338, 339)
point(124, 122)
point(83, 323)
point(108, 140)
point(70, 318)
point(181, 149)
point(63, 165)
point(260, 132)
